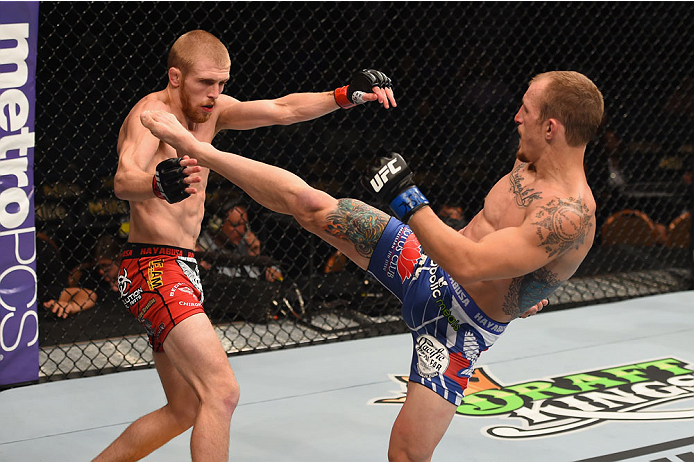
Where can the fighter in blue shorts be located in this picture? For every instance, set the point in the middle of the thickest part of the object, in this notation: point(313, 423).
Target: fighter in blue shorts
point(448, 328)
point(459, 288)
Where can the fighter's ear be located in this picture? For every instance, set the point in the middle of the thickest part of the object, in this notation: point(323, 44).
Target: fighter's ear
point(552, 128)
point(175, 76)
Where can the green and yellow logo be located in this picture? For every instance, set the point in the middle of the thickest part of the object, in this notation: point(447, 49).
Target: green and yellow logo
point(551, 406)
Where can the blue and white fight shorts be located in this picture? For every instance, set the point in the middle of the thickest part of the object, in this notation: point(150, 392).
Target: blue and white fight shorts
point(448, 328)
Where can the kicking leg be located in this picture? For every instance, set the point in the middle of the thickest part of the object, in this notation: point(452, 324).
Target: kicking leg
point(347, 224)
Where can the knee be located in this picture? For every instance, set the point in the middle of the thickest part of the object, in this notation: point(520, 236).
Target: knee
point(396, 455)
point(404, 448)
point(230, 398)
point(223, 395)
point(311, 206)
point(400, 455)
point(396, 452)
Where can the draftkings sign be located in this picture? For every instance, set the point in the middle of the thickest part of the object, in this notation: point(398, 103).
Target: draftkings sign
point(551, 406)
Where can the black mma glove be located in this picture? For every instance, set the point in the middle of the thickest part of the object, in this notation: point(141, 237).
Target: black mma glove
point(362, 82)
point(391, 180)
point(167, 183)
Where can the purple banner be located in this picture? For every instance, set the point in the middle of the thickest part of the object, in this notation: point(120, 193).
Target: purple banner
point(19, 349)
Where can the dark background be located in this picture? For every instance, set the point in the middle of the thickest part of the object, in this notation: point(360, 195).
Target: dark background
point(459, 72)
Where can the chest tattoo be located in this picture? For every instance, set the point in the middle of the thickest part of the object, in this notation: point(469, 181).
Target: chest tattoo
point(523, 195)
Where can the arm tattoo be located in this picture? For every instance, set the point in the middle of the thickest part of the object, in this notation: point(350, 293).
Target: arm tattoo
point(527, 291)
point(562, 225)
point(358, 223)
point(524, 197)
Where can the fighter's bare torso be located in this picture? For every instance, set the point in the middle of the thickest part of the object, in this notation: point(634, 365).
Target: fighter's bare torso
point(514, 199)
point(153, 220)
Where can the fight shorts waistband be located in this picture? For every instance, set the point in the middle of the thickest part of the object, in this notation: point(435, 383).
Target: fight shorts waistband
point(134, 250)
point(474, 313)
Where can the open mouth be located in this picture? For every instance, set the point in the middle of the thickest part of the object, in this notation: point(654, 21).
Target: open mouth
point(208, 107)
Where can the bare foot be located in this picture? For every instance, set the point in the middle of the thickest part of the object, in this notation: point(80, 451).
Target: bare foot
point(167, 128)
point(535, 309)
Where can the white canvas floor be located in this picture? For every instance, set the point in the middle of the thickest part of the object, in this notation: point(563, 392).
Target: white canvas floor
point(318, 403)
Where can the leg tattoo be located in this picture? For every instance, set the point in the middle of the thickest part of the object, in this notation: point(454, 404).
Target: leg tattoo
point(358, 223)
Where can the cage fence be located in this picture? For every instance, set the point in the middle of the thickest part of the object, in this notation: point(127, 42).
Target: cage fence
point(459, 71)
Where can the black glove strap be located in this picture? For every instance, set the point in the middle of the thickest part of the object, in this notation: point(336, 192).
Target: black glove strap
point(363, 81)
point(167, 183)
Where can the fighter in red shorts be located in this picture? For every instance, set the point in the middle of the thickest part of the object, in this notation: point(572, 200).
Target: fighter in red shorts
point(158, 278)
point(160, 285)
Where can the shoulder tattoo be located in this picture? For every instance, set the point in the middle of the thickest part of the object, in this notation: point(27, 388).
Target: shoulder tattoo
point(527, 291)
point(562, 224)
point(524, 196)
point(358, 223)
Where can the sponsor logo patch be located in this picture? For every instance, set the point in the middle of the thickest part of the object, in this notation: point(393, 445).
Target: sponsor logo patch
point(130, 299)
point(181, 287)
point(154, 273)
point(189, 266)
point(432, 356)
point(411, 252)
point(145, 309)
point(436, 286)
point(124, 283)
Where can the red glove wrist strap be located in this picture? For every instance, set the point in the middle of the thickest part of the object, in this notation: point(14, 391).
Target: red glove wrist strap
point(155, 189)
point(341, 98)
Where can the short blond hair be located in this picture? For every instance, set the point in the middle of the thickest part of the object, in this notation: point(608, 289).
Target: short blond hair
point(574, 100)
point(192, 46)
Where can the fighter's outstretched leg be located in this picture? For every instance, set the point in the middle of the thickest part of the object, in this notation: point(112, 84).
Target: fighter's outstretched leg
point(349, 225)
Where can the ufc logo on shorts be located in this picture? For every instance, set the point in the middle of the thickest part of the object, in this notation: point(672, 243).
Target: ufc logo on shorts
point(381, 178)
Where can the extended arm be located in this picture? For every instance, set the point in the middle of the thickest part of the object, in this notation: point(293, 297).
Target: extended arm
point(367, 85)
point(551, 227)
point(297, 107)
point(72, 300)
point(506, 253)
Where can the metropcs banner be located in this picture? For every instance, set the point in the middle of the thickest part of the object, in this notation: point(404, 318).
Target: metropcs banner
point(19, 348)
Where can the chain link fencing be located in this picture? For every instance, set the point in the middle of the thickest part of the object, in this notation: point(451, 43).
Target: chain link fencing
point(459, 70)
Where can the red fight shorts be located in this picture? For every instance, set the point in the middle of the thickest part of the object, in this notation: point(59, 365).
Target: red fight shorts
point(160, 285)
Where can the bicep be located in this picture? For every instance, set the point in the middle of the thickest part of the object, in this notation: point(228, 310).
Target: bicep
point(551, 229)
point(506, 253)
point(246, 115)
point(509, 253)
point(137, 145)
